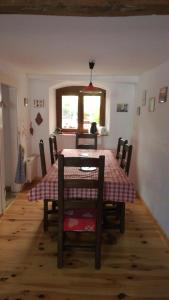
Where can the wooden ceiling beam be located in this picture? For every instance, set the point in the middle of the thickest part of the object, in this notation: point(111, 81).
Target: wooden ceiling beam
point(90, 8)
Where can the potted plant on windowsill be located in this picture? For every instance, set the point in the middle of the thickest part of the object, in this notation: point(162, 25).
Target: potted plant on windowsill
point(58, 130)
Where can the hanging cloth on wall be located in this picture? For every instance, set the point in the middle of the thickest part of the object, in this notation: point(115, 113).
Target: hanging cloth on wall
point(20, 171)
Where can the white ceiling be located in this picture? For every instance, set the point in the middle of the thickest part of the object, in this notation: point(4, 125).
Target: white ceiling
point(64, 45)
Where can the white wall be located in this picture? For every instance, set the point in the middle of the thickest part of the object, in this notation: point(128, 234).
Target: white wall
point(39, 89)
point(119, 90)
point(121, 124)
point(151, 142)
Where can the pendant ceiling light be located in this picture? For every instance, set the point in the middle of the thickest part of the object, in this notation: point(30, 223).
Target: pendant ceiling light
point(91, 89)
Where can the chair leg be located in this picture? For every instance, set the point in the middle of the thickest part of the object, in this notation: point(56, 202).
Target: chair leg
point(53, 205)
point(98, 249)
point(98, 258)
point(122, 217)
point(104, 216)
point(45, 215)
point(60, 249)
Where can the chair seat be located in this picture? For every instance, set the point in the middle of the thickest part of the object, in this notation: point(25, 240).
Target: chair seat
point(80, 220)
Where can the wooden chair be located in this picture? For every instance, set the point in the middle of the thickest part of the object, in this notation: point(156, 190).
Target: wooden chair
point(80, 215)
point(114, 216)
point(53, 149)
point(92, 137)
point(112, 209)
point(117, 209)
point(126, 158)
point(46, 209)
point(42, 158)
point(120, 145)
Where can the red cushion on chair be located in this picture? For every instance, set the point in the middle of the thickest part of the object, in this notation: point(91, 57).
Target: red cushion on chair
point(80, 220)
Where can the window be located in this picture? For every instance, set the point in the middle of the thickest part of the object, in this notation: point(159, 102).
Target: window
point(76, 111)
point(69, 111)
point(91, 108)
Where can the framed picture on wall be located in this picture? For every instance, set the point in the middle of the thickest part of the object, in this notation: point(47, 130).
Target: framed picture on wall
point(151, 104)
point(138, 110)
point(122, 108)
point(25, 101)
point(144, 97)
point(163, 94)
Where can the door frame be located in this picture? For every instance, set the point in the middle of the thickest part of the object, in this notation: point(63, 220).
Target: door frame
point(13, 100)
point(2, 167)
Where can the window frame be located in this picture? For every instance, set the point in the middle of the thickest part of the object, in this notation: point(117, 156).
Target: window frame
point(76, 91)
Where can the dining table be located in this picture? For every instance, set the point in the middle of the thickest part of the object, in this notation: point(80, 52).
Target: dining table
point(117, 185)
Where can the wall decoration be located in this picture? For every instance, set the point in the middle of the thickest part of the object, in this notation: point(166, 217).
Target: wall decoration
point(144, 97)
point(151, 104)
point(39, 119)
point(31, 128)
point(122, 108)
point(163, 94)
point(38, 103)
point(138, 110)
point(25, 101)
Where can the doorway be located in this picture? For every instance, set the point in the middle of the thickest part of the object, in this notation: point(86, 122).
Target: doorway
point(9, 125)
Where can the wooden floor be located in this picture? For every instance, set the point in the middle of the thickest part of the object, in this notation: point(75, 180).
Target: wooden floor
point(134, 265)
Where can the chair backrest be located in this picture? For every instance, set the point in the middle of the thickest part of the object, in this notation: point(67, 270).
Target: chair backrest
point(120, 145)
point(91, 137)
point(42, 158)
point(126, 158)
point(82, 183)
point(53, 148)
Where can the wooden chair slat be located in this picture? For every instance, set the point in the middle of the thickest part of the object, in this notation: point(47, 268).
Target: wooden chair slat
point(91, 137)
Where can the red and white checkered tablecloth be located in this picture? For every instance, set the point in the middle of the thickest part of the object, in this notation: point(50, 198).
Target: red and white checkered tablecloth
point(117, 186)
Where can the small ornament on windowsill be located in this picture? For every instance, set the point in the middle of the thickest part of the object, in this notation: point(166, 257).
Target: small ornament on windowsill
point(93, 128)
point(31, 129)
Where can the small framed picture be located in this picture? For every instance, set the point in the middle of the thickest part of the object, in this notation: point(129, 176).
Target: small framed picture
point(144, 97)
point(152, 104)
point(38, 103)
point(163, 94)
point(138, 110)
point(122, 107)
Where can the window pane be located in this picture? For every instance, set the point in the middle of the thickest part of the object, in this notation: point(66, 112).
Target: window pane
point(91, 110)
point(69, 112)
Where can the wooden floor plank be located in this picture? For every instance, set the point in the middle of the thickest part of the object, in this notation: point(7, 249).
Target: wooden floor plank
point(135, 265)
